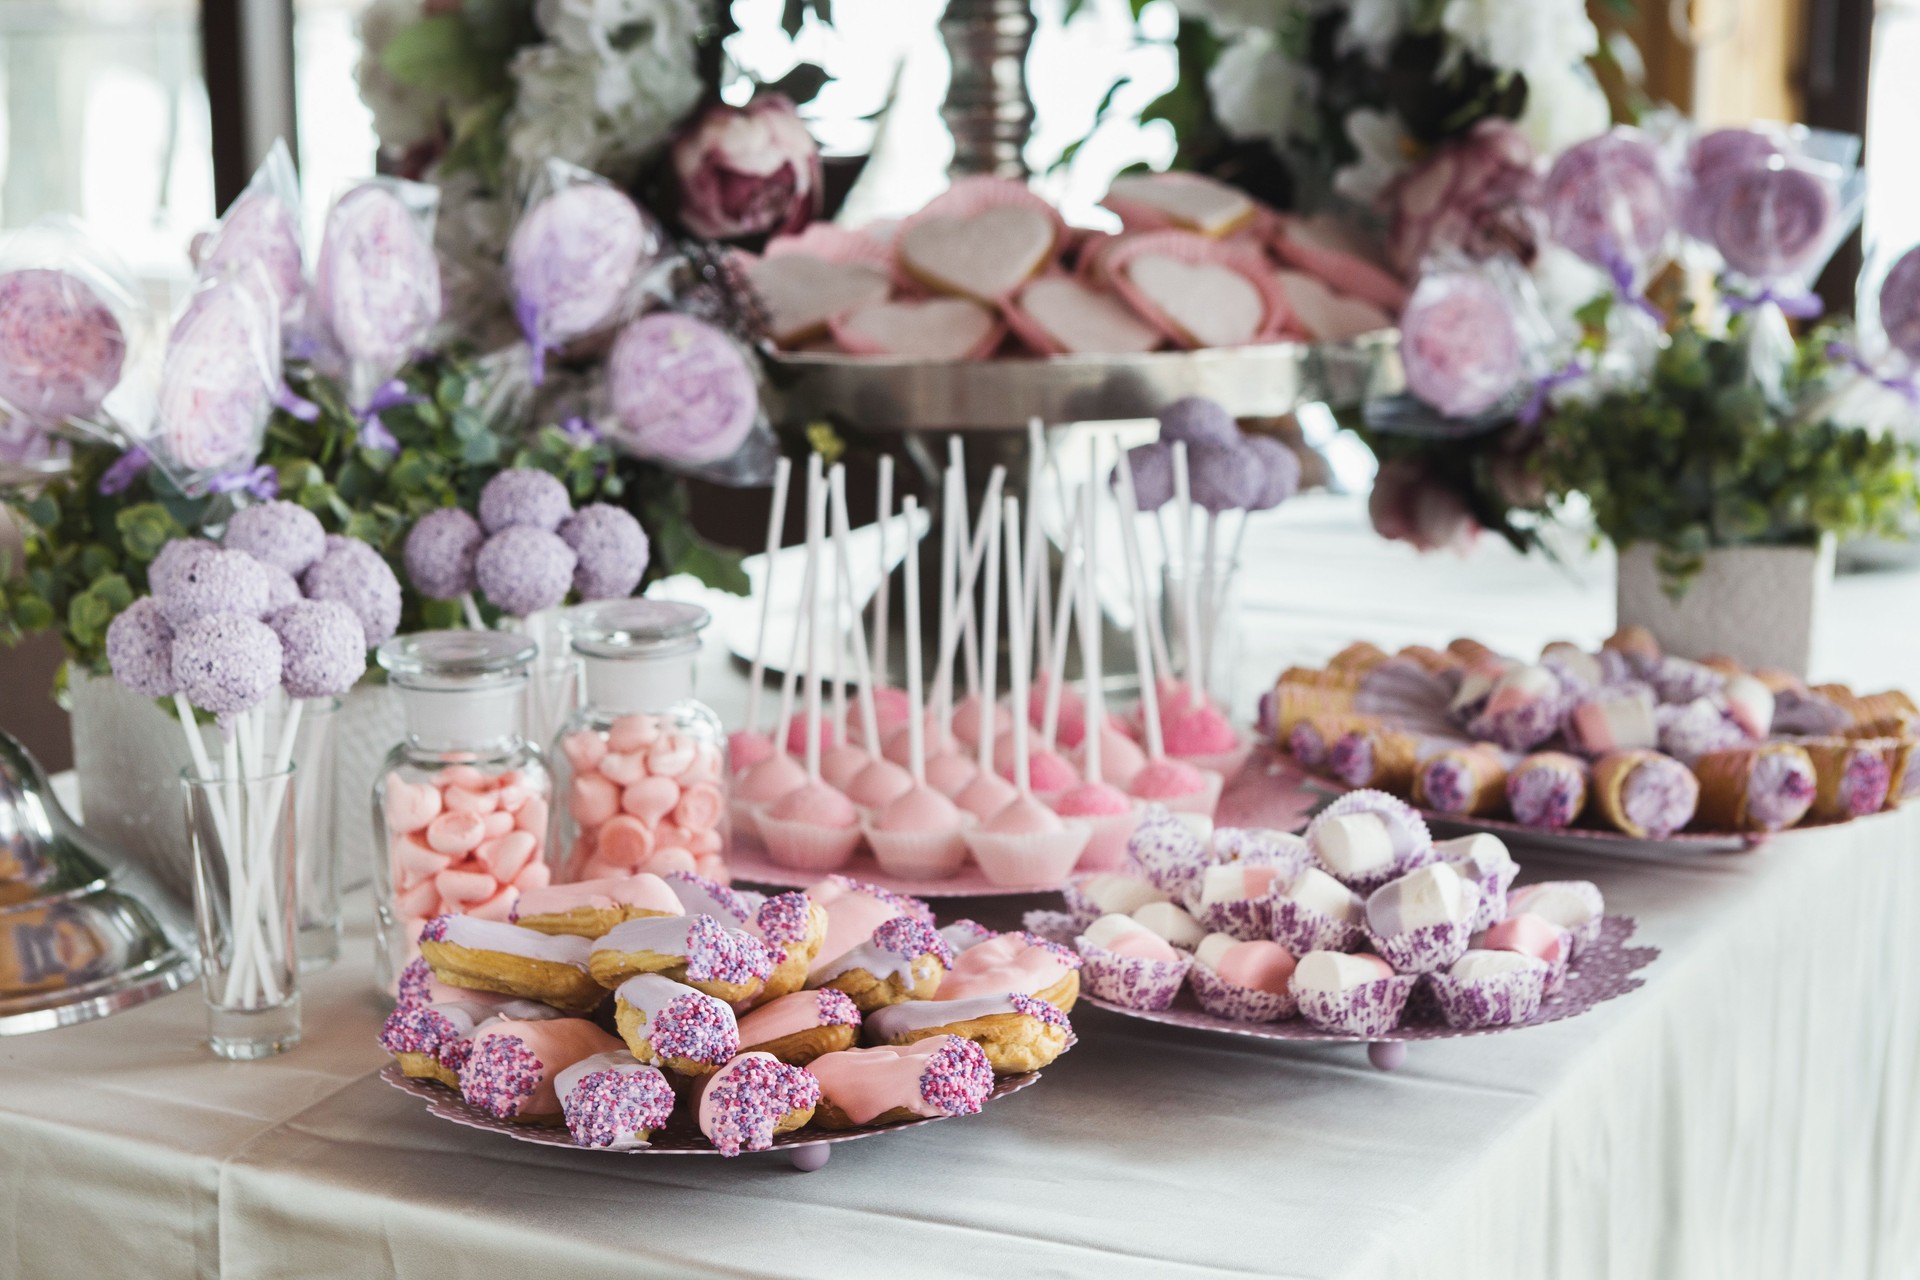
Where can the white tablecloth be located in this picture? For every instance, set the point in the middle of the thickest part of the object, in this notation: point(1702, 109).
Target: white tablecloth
point(1753, 1111)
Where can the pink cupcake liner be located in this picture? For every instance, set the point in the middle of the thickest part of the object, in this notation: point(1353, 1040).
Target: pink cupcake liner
point(1370, 1009)
point(1080, 908)
point(1202, 802)
point(1037, 858)
point(1424, 950)
point(1107, 847)
point(1195, 249)
point(917, 855)
point(830, 243)
point(805, 846)
point(967, 197)
point(1493, 896)
point(1302, 929)
point(1225, 999)
point(1166, 853)
point(1499, 1001)
point(1128, 981)
point(1249, 919)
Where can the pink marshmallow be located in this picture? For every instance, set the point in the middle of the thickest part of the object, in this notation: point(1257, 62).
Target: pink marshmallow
point(670, 757)
point(624, 841)
point(535, 875)
point(419, 902)
point(498, 907)
point(411, 805)
point(532, 816)
point(414, 861)
point(512, 797)
point(498, 823)
point(506, 856)
point(633, 733)
point(583, 749)
point(667, 861)
point(465, 775)
point(594, 800)
point(650, 799)
point(464, 887)
point(461, 800)
point(456, 833)
point(623, 770)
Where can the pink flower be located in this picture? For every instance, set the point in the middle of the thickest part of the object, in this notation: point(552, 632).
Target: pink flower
point(747, 172)
point(1479, 194)
point(1407, 505)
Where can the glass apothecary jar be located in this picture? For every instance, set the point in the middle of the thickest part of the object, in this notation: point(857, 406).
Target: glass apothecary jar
point(642, 764)
point(461, 808)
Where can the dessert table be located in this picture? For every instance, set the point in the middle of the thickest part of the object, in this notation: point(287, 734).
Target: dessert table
point(1754, 1110)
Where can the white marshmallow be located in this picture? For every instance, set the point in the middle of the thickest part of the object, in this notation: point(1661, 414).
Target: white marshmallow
point(1316, 889)
point(1200, 824)
point(1355, 845)
point(1122, 895)
point(1475, 965)
point(1226, 883)
point(1477, 855)
point(1213, 947)
point(1435, 894)
point(1171, 923)
point(1750, 703)
point(1575, 661)
point(1476, 684)
point(1108, 929)
point(1568, 904)
point(1335, 971)
point(1535, 682)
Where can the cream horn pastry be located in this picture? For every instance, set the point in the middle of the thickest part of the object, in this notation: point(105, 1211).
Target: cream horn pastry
point(905, 959)
point(1310, 739)
point(932, 1078)
point(1853, 777)
point(1018, 1032)
point(510, 1072)
point(1613, 718)
point(491, 955)
point(1523, 709)
point(1469, 780)
point(1764, 788)
point(673, 1026)
point(696, 950)
point(1644, 794)
point(589, 908)
point(799, 1027)
point(613, 1102)
point(1380, 758)
point(1547, 789)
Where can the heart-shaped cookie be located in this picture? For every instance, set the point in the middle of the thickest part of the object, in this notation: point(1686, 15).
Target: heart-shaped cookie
point(1186, 200)
point(934, 329)
point(802, 293)
point(1075, 317)
point(984, 255)
point(1206, 304)
point(1324, 314)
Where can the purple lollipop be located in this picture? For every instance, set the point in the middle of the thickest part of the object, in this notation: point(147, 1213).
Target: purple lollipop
point(682, 391)
point(218, 382)
point(168, 572)
point(1714, 157)
point(323, 649)
point(61, 347)
point(1198, 421)
point(377, 282)
point(612, 550)
point(259, 227)
point(140, 649)
point(440, 551)
point(1771, 222)
point(526, 497)
point(1459, 345)
point(1609, 202)
point(281, 534)
point(1280, 475)
point(1152, 466)
point(216, 582)
point(1900, 304)
point(353, 573)
point(226, 663)
point(1226, 479)
point(524, 570)
point(573, 261)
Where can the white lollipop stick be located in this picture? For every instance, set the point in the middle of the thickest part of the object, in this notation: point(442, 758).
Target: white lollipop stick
point(990, 628)
point(1189, 599)
point(790, 684)
point(916, 726)
point(883, 594)
point(837, 479)
point(1208, 599)
point(776, 521)
point(949, 571)
point(1062, 628)
point(1033, 612)
point(1096, 703)
point(1130, 542)
point(1143, 652)
point(1018, 643)
point(969, 573)
point(843, 563)
point(816, 505)
point(965, 544)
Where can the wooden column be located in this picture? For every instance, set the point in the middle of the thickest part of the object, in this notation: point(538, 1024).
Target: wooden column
point(247, 51)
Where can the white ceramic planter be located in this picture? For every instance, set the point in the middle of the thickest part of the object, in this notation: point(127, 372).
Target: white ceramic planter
point(128, 754)
point(1758, 605)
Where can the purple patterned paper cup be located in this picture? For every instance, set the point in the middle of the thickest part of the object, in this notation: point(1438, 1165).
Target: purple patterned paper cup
point(1301, 929)
point(1370, 1009)
point(1138, 984)
point(1425, 950)
point(1248, 919)
point(1225, 999)
point(1081, 909)
point(1164, 851)
point(1493, 896)
point(1499, 1001)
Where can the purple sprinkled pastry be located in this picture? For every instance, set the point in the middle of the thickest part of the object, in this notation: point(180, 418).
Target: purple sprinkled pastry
point(1644, 794)
point(613, 1102)
point(1523, 709)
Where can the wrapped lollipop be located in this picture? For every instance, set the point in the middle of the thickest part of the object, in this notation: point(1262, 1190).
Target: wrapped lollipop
point(377, 284)
point(218, 382)
point(1611, 203)
point(577, 259)
point(262, 226)
point(684, 394)
point(68, 313)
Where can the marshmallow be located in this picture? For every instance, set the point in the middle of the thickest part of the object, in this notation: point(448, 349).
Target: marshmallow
point(1476, 965)
point(1750, 703)
point(1200, 824)
point(1527, 934)
point(1476, 683)
point(1335, 971)
point(1120, 895)
point(1476, 856)
point(1213, 948)
point(1358, 844)
point(1315, 889)
point(1620, 720)
point(1236, 882)
point(1125, 936)
point(1171, 923)
point(1434, 894)
point(1573, 660)
point(1570, 904)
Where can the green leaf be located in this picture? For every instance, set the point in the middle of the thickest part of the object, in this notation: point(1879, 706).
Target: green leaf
point(437, 55)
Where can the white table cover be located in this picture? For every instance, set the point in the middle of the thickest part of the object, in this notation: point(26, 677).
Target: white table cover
point(1753, 1111)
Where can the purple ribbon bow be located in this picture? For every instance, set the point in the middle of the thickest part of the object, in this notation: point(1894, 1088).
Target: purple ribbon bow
point(580, 432)
point(523, 313)
point(1621, 273)
point(287, 400)
point(1536, 406)
point(1801, 306)
point(261, 482)
point(1844, 353)
point(119, 477)
point(392, 394)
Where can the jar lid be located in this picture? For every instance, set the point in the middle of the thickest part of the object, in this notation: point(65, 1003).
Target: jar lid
point(456, 659)
point(636, 628)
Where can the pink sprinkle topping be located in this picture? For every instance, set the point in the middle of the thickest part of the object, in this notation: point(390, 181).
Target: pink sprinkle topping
point(957, 1078)
point(971, 929)
point(785, 918)
point(905, 936)
point(716, 953)
point(500, 1076)
point(608, 1107)
point(413, 986)
point(1065, 955)
point(836, 1008)
point(749, 1097)
point(1034, 1007)
point(435, 930)
point(722, 896)
point(417, 1030)
point(696, 1027)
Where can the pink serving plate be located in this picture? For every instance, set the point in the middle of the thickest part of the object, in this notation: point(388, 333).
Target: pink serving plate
point(808, 1148)
point(1605, 969)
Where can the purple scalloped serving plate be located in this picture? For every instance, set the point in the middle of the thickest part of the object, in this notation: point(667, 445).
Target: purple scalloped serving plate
point(807, 1147)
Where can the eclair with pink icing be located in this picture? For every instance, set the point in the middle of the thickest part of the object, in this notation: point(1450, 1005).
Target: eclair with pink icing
point(752, 1100)
point(1019, 962)
point(799, 1027)
point(933, 1078)
point(491, 955)
point(510, 1072)
point(1017, 1032)
point(794, 927)
point(697, 950)
point(670, 1025)
point(432, 1042)
point(699, 896)
point(613, 1102)
point(589, 908)
point(905, 959)
point(417, 988)
point(854, 910)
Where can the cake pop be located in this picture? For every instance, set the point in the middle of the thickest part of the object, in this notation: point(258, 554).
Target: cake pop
point(523, 569)
point(610, 549)
point(140, 648)
point(748, 745)
point(217, 582)
point(225, 663)
point(281, 534)
point(353, 573)
point(440, 551)
point(323, 649)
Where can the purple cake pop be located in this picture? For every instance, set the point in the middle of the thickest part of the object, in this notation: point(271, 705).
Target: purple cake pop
point(681, 389)
point(524, 497)
point(1152, 466)
point(140, 649)
point(354, 574)
point(377, 282)
point(1226, 479)
point(573, 260)
point(259, 227)
point(1459, 345)
point(1900, 304)
point(525, 570)
point(169, 569)
point(61, 348)
point(217, 582)
point(226, 663)
point(281, 534)
point(282, 588)
point(439, 553)
point(323, 650)
point(1280, 471)
point(612, 551)
point(1771, 222)
point(1199, 421)
point(1609, 202)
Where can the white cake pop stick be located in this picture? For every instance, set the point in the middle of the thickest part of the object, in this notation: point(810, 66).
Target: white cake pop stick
point(816, 505)
point(883, 594)
point(843, 564)
point(1189, 596)
point(1143, 652)
point(990, 628)
point(776, 521)
point(1033, 610)
point(791, 682)
point(836, 478)
point(942, 695)
point(1017, 642)
point(1130, 541)
point(1062, 628)
point(916, 721)
point(969, 639)
point(1096, 703)
point(969, 573)
point(1208, 592)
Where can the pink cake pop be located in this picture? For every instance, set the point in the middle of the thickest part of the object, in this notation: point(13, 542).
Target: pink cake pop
point(748, 745)
point(841, 760)
point(878, 782)
point(969, 716)
point(983, 792)
point(1121, 755)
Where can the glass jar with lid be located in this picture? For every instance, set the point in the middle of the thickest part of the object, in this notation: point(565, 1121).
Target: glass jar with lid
point(642, 764)
point(461, 809)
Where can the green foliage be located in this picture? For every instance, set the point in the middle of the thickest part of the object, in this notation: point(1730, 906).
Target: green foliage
point(1697, 458)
